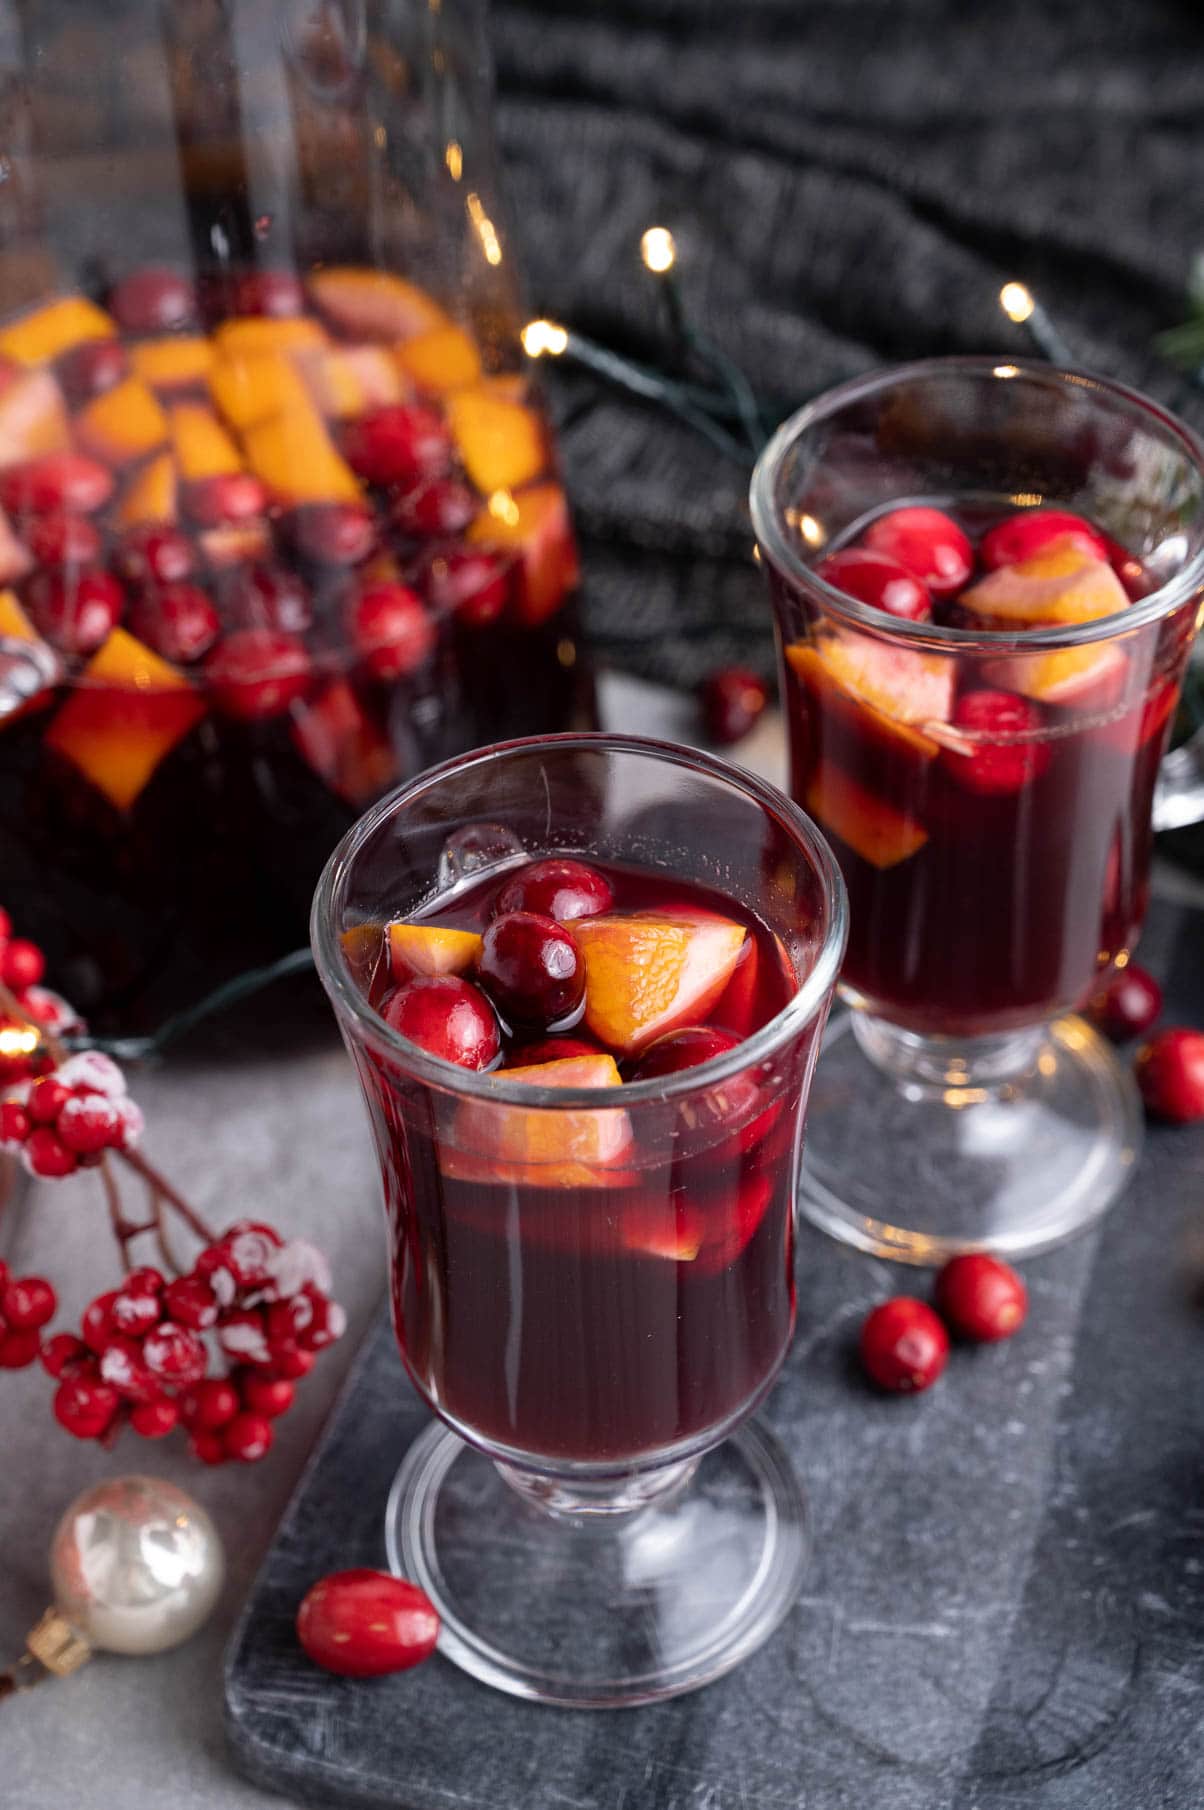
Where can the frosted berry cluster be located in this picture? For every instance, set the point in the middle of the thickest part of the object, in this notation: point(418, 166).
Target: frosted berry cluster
point(66, 1119)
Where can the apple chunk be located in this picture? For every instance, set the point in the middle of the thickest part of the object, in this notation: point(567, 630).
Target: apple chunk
point(647, 973)
point(430, 949)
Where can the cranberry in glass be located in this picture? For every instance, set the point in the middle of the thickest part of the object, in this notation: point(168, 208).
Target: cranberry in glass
point(732, 701)
point(178, 621)
point(392, 630)
point(365, 1624)
point(437, 506)
point(981, 1298)
point(558, 887)
point(154, 553)
point(153, 300)
point(550, 1049)
point(257, 673)
point(447, 1017)
point(233, 496)
point(76, 614)
point(998, 767)
point(90, 369)
point(1170, 1074)
point(1023, 536)
point(63, 540)
point(474, 587)
point(1128, 1005)
point(903, 1345)
point(686, 1048)
point(928, 543)
point(275, 293)
point(874, 579)
point(63, 480)
point(398, 445)
point(270, 597)
point(330, 534)
point(532, 969)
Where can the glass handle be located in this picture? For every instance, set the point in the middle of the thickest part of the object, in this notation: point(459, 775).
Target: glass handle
point(1179, 792)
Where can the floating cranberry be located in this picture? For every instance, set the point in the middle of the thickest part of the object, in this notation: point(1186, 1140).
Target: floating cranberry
point(1023, 536)
point(550, 1049)
point(474, 587)
point(63, 540)
point(927, 542)
point(62, 1354)
point(155, 299)
point(1170, 1074)
point(532, 969)
point(904, 1345)
point(271, 597)
point(22, 965)
point(211, 1404)
point(1004, 749)
point(559, 888)
point(365, 1624)
point(248, 1437)
point(270, 1396)
point(76, 612)
point(85, 1406)
point(154, 553)
point(232, 496)
point(155, 1419)
point(178, 621)
point(399, 444)
point(28, 1302)
point(447, 1017)
point(1128, 1005)
point(882, 583)
point(686, 1048)
point(91, 368)
point(257, 673)
point(981, 1298)
point(392, 630)
point(732, 702)
point(57, 481)
point(331, 534)
point(275, 293)
point(46, 1154)
point(437, 506)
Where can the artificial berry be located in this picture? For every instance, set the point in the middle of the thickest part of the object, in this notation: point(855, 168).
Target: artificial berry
point(927, 542)
point(1003, 750)
point(1128, 1005)
point(96, 1325)
point(76, 613)
point(398, 444)
point(63, 540)
point(437, 506)
point(904, 1345)
point(93, 1072)
point(51, 1011)
point(154, 553)
point(15, 1123)
point(289, 1361)
point(1022, 536)
point(153, 300)
point(447, 1017)
point(178, 621)
point(85, 1405)
point(191, 1302)
point(243, 1336)
point(174, 1354)
point(145, 1280)
point(532, 969)
point(62, 1353)
point(46, 1155)
point(364, 1624)
point(307, 1319)
point(46, 1100)
point(276, 293)
point(248, 1253)
point(686, 1048)
point(392, 630)
point(472, 586)
point(270, 1396)
point(88, 1123)
point(133, 1313)
point(91, 368)
point(230, 496)
point(19, 1347)
point(28, 1302)
point(213, 1403)
point(1170, 1074)
point(22, 965)
point(155, 1419)
point(248, 1437)
point(981, 1298)
point(123, 1364)
point(257, 673)
point(208, 1447)
point(55, 481)
point(880, 582)
point(732, 701)
point(331, 534)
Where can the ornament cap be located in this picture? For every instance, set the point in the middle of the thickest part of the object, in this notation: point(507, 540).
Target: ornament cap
point(57, 1646)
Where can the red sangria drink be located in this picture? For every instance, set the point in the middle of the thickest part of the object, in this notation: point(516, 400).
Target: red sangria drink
point(585, 1031)
point(985, 579)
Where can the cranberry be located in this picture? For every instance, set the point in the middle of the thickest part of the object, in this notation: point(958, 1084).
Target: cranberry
point(174, 1354)
point(46, 1100)
point(22, 965)
point(212, 1404)
point(271, 597)
point(392, 630)
point(981, 1298)
point(881, 582)
point(232, 496)
point(276, 293)
point(472, 586)
point(1128, 1005)
point(76, 613)
point(927, 542)
point(6, 923)
point(28, 1303)
point(178, 621)
point(62, 1354)
point(90, 369)
point(550, 1049)
point(248, 1437)
point(732, 701)
point(153, 300)
point(270, 1396)
point(331, 534)
point(532, 969)
point(559, 888)
point(96, 1325)
point(146, 1280)
point(257, 673)
point(997, 767)
point(364, 1624)
point(447, 1017)
point(904, 1345)
point(686, 1048)
point(308, 1319)
point(154, 553)
point(1170, 1074)
point(155, 1419)
point(437, 506)
point(85, 1406)
point(191, 1302)
point(57, 481)
point(63, 540)
point(1022, 536)
point(398, 444)
point(46, 1155)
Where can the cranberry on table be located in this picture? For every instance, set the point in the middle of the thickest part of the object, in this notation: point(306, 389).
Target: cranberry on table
point(874, 579)
point(63, 540)
point(19, 1347)
point(257, 673)
point(90, 369)
point(399, 444)
point(330, 534)
point(392, 630)
point(276, 293)
point(63, 1353)
point(1023, 536)
point(76, 612)
point(904, 1346)
point(1128, 1005)
point(1170, 1075)
point(981, 1297)
point(558, 887)
point(1004, 751)
point(447, 1017)
point(732, 702)
point(926, 542)
point(472, 586)
point(365, 1624)
point(64, 480)
point(437, 506)
point(154, 299)
point(178, 621)
point(154, 553)
point(233, 496)
point(685, 1048)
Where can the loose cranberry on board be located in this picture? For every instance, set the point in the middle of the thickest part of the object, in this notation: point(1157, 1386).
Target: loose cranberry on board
point(904, 1345)
point(1170, 1074)
point(981, 1297)
point(732, 701)
point(1128, 1005)
point(364, 1624)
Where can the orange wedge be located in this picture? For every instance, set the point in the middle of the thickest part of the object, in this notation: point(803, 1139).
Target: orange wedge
point(254, 386)
point(876, 685)
point(246, 335)
point(50, 331)
point(542, 1147)
point(346, 381)
point(151, 496)
point(1087, 678)
point(1062, 583)
point(648, 973)
point(174, 363)
point(500, 442)
point(203, 448)
point(296, 459)
point(374, 304)
point(126, 712)
point(872, 828)
point(441, 361)
point(123, 424)
point(534, 527)
point(430, 949)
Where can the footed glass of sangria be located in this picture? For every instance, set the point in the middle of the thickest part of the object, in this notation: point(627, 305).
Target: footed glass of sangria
point(986, 579)
point(585, 1029)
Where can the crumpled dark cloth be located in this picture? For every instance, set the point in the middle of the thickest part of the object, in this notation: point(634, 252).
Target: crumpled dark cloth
point(849, 184)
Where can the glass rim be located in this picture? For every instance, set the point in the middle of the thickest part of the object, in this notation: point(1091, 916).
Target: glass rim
point(801, 1009)
point(774, 545)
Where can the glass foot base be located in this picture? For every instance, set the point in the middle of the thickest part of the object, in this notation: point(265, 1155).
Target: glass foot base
point(593, 1610)
point(917, 1155)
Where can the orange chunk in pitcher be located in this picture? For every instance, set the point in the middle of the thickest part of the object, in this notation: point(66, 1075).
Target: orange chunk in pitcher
point(174, 363)
point(295, 457)
point(254, 386)
point(50, 331)
point(152, 493)
point(500, 442)
point(203, 448)
point(647, 973)
point(430, 949)
point(873, 829)
point(534, 525)
point(440, 362)
point(123, 424)
point(127, 711)
point(346, 381)
point(33, 417)
point(248, 336)
point(1062, 583)
point(374, 304)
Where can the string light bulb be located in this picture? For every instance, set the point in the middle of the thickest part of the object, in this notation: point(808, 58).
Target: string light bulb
point(658, 250)
point(1017, 302)
point(540, 337)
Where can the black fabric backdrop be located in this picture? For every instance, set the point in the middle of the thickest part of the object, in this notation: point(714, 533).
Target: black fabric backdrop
point(849, 183)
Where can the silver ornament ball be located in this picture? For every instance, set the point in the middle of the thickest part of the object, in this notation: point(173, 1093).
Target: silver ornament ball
point(136, 1565)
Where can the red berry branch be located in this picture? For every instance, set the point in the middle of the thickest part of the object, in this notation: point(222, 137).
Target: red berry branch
point(216, 1349)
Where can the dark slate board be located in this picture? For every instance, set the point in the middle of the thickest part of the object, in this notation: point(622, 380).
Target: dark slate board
point(1005, 1604)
